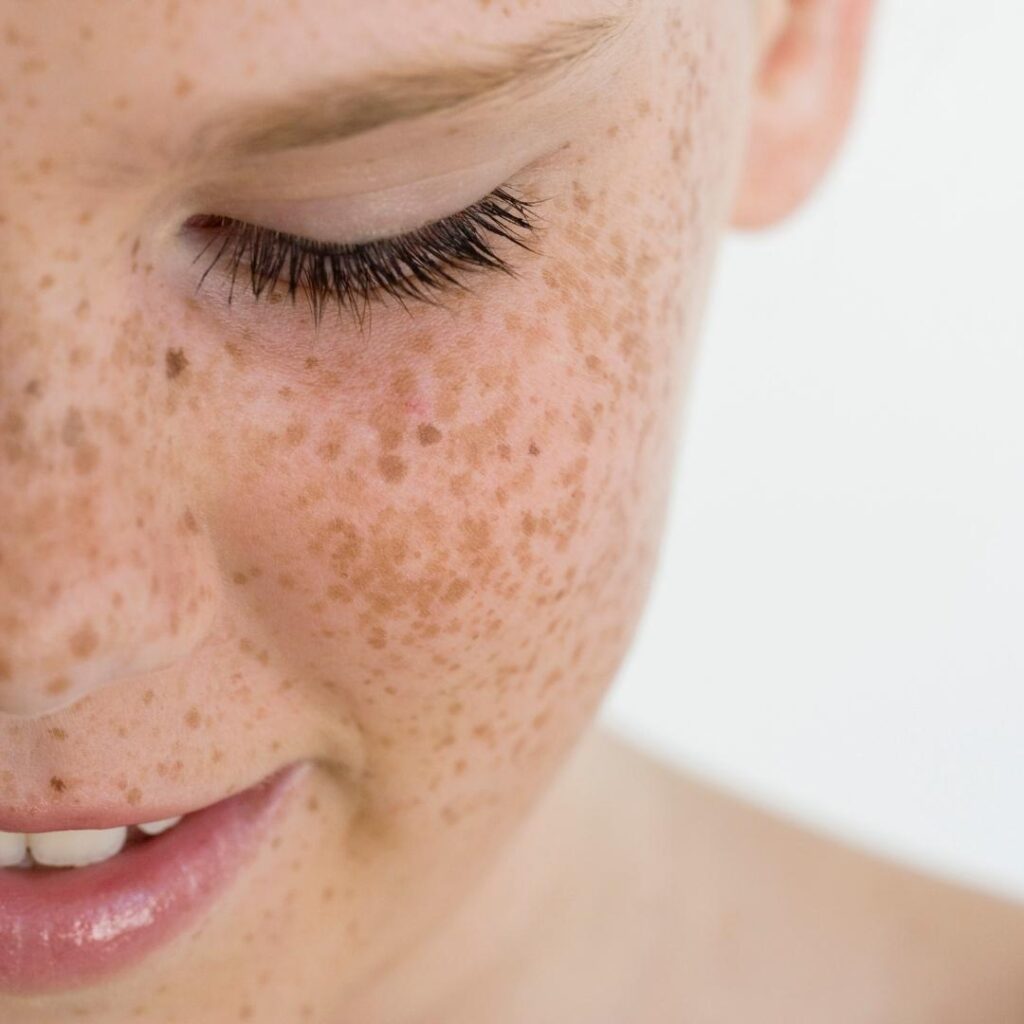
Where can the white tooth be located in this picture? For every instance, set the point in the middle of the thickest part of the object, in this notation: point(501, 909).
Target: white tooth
point(154, 828)
point(76, 847)
point(12, 848)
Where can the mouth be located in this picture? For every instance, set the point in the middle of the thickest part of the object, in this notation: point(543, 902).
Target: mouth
point(77, 904)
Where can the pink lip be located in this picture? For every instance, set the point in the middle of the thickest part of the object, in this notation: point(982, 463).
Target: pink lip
point(65, 927)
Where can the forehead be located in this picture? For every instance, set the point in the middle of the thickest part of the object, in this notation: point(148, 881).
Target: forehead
point(114, 38)
point(144, 73)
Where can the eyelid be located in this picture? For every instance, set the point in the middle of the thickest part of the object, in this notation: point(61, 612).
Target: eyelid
point(331, 212)
point(415, 266)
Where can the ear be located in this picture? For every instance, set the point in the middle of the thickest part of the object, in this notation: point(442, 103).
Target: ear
point(807, 81)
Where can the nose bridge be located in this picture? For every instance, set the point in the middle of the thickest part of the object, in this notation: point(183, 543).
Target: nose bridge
point(105, 571)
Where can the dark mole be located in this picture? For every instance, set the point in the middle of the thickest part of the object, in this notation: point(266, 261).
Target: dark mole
point(177, 361)
point(57, 784)
point(534, 450)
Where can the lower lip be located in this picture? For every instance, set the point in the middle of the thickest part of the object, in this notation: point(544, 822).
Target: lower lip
point(68, 927)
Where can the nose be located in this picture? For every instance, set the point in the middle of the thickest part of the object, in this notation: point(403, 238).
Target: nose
point(105, 570)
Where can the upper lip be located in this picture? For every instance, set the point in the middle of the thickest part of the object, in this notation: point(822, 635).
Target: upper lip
point(68, 812)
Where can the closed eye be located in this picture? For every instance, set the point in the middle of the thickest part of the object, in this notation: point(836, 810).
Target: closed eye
point(417, 266)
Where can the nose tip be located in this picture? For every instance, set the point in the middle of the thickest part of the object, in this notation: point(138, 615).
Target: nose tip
point(63, 639)
point(39, 678)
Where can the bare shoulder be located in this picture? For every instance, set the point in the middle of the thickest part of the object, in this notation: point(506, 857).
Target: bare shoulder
point(767, 919)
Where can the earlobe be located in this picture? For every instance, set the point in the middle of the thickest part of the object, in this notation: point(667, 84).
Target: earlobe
point(805, 90)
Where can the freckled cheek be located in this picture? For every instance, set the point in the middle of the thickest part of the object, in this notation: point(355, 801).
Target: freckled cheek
point(456, 517)
point(448, 484)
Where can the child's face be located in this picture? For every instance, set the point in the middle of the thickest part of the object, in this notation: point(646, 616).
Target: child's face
point(412, 554)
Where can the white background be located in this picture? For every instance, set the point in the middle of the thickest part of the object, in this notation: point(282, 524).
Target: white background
point(837, 627)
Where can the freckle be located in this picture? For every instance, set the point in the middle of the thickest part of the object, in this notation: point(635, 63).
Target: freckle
point(58, 685)
point(46, 281)
point(148, 696)
point(73, 427)
point(176, 362)
point(534, 450)
point(134, 795)
point(236, 353)
point(392, 468)
point(390, 427)
point(58, 734)
point(188, 520)
point(84, 641)
point(57, 784)
point(456, 591)
point(183, 86)
point(193, 718)
point(294, 434)
point(82, 309)
point(87, 457)
point(581, 200)
point(240, 578)
point(329, 451)
point(428, 434)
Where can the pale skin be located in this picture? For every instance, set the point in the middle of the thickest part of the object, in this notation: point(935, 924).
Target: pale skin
point(411, 553)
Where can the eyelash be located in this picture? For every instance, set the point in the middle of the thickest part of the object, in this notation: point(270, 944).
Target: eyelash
point(418, 265)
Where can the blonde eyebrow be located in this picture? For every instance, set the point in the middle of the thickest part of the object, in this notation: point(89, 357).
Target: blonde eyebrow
point(340, 109)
